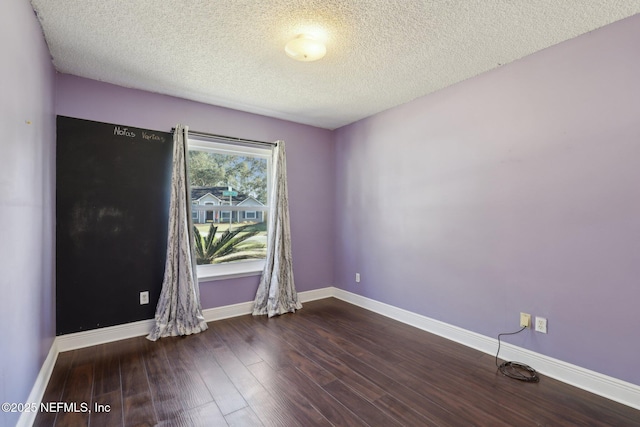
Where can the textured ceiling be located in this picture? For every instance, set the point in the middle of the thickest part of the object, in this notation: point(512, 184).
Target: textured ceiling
point(379, 53)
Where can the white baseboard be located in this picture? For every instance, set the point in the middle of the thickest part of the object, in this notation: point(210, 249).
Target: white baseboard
point(37, 391)
point(243, 308)
point(227, 311)
point(103, 335)
point(594, 382)
point(316, 294)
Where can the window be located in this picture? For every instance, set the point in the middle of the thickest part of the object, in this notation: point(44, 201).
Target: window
point(231, 184)
point(195, 217)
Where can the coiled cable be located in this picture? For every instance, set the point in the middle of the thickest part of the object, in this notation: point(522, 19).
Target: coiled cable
point(516, 370)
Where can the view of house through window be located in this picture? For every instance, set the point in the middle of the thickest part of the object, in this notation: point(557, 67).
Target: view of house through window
point(229, 196)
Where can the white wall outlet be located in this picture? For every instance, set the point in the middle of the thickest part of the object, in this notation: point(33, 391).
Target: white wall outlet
point(541, 325)
point(525, 320)
point(144, 297)
point(357, 277)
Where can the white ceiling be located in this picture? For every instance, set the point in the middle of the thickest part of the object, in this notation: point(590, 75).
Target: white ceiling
point(380, 53)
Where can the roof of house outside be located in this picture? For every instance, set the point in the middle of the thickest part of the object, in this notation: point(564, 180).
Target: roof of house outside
point(199, 192)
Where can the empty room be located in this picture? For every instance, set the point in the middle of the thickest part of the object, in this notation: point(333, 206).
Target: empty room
point(375, 213)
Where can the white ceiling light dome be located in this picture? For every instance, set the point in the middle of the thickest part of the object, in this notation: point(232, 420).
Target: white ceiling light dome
point(305, 48)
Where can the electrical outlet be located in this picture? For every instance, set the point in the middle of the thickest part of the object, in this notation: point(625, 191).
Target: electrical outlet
point(525, 320)
point(357, 277)
point(144, 297)
point(541, 325)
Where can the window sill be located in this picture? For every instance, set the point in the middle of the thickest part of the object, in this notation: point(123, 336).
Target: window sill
point(210, 273)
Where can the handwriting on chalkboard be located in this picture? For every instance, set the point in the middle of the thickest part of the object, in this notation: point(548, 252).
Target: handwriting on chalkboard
point(152, 137)
point(117, 130)
point(120, 131)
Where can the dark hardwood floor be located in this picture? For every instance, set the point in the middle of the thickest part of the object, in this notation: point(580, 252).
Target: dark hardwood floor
point(331, 363)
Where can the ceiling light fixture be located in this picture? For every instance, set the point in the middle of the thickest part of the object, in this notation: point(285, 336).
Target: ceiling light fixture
point(305, 48)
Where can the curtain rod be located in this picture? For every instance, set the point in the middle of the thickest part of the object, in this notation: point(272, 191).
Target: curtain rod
point(228, 138)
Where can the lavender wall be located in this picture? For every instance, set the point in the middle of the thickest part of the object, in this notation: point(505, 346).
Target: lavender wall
point(518, 190)
point(27, 150)
point(309, 165)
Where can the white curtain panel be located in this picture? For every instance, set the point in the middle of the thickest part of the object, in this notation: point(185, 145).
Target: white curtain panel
point(178, 311)
point(277, 292)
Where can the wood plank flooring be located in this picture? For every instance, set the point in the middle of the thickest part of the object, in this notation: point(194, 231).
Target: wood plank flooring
point(331, 363)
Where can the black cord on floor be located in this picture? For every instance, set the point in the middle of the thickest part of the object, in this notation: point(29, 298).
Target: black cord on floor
point(516, 370)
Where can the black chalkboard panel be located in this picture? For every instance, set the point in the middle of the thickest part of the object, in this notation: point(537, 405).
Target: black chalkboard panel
point(112, 203)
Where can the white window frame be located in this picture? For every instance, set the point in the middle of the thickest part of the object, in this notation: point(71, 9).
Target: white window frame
point(253, 213)
point(212, 272)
